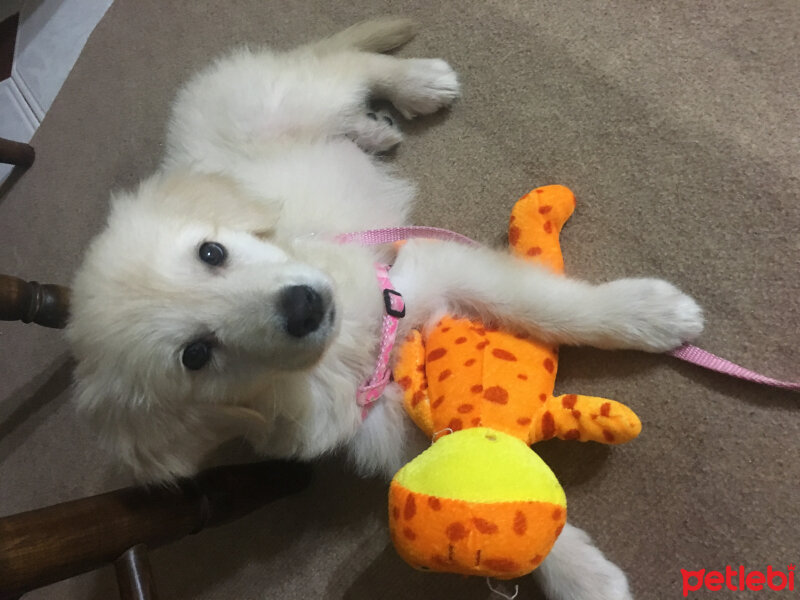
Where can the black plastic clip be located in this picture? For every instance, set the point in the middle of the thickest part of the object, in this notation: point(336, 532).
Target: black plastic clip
point(387, 301)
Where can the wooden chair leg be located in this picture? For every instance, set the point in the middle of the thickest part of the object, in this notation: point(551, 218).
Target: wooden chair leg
point(134, 578)
point(28, 301)
point(16, 153)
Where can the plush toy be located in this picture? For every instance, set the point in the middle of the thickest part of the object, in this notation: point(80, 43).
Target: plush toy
point(479, 501)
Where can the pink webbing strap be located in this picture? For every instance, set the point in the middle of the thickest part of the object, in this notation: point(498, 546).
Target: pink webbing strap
point(388, 235)
point(687, 352)
point(372, 389)
point(702, 358)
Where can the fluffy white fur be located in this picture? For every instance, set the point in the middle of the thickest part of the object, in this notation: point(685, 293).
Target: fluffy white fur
point(269, 155)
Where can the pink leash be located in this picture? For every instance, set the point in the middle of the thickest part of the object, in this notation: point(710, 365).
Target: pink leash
point(389, 235)
point(698, 356)
point(687, 352)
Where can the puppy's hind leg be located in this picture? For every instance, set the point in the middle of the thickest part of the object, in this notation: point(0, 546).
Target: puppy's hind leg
point(416, 86)
point(250, 102)
point(375, 132)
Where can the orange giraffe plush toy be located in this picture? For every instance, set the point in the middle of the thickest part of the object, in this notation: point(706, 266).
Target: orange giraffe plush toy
point(480, 501)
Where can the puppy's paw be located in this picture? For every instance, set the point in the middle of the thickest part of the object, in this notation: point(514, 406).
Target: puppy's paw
point(375, 132)
point(428, 85)
point(577, 570)
point(653, 315)
point(603, 581)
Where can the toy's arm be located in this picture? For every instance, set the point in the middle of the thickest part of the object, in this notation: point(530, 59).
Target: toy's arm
point(585, 418)
point(409, 373)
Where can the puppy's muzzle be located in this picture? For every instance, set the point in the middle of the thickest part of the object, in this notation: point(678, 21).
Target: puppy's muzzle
point(304, 309)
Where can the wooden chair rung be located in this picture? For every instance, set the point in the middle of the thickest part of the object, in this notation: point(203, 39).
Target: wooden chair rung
point(134, 578)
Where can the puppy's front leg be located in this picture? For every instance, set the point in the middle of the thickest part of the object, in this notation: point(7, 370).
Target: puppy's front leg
point(576, 570)
point(644, 314)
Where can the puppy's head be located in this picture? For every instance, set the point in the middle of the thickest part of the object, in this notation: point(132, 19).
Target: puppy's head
point(184, 308)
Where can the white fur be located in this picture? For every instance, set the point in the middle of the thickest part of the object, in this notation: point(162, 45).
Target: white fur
point(576, 570)
point(263, 157)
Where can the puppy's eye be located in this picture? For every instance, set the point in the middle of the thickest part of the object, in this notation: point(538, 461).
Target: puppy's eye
point(196, 355)
point(212, 253)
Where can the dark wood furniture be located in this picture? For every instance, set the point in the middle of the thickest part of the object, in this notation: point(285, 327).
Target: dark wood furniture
point(42, 546)
point(16, 153)
point(32, 302)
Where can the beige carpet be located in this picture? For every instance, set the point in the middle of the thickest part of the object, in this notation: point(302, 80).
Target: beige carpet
point(676, 124)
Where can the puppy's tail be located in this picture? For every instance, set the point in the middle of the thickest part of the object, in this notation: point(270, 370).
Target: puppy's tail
point(377, 35)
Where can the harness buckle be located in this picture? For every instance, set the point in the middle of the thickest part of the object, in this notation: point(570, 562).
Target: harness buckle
point(387, 302)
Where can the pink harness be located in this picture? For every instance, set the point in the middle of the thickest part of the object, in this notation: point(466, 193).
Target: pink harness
point(395, 308)
point(373, 388)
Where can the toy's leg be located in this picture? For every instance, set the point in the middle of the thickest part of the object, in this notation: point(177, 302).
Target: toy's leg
point(585, 418)
point(409, 374)
point(576, 570)
point(535, 223)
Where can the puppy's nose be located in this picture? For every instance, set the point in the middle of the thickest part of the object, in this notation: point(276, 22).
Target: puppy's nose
point(303, 307)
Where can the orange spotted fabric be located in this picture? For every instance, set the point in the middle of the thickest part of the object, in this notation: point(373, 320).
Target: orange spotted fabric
point(467, 375)
point(464, 374)
point(491, 540)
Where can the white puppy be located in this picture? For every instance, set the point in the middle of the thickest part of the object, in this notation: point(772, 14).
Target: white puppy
point(217, 304)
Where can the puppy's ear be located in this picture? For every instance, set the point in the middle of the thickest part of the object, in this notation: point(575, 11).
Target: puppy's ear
point(158, 442)
point(208, 198)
